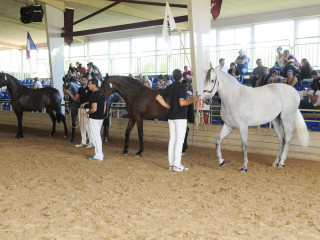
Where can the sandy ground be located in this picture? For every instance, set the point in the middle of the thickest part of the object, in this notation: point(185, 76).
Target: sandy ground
point(49, 190)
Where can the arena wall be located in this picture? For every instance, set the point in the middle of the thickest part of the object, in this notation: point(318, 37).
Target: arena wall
point(260, 140)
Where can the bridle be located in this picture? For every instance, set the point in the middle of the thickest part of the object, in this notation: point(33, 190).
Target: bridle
point(216, 80)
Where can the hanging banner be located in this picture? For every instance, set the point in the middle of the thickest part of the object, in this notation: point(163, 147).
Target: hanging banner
point(68, 25)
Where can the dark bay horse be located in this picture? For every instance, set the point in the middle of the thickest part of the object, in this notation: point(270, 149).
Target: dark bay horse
point(140, 104)
point(26, 99)
point(72, 85)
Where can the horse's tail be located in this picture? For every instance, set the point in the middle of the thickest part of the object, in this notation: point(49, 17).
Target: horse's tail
point(301, 129)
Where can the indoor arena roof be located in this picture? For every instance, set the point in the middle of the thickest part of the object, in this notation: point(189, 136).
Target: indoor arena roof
point(13, 31)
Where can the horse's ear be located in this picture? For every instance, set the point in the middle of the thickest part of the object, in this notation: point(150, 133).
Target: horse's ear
point(211, 65)
point(107, 77)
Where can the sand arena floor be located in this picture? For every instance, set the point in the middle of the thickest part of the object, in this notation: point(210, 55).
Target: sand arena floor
point(49, 190)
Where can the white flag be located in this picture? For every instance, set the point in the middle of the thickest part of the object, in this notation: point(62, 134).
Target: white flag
point(168, 24)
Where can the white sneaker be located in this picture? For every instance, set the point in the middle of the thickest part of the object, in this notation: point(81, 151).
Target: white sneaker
point(80, 145)
point(89, 145)
point(180, 168)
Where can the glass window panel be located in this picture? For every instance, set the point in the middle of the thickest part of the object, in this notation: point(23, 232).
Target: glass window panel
point(98, 48)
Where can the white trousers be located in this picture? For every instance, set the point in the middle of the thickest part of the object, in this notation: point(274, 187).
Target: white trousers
point(177, 129)
point(94, 130)
point(83, 120)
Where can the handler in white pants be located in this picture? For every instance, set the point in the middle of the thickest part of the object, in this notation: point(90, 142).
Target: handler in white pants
point(97, 103)
point(177, 118)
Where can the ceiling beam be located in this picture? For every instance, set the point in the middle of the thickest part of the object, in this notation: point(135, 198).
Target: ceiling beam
point(32, 25)
point(10, 45)
point(125, 27)
point(54, 3)
point(153, 3)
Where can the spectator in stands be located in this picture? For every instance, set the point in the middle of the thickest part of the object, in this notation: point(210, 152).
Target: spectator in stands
point(279, 59)
point(186, 72)
point(275, 77)
point(223, 67)
point(316, 78)
point(290, 66)
point(264, 79)
point(167, 80)
point(242, 62)
point(146, 82)
point(140, 78)
point(37, 84)
point(287, 56)
point(304, 71)
point(71, 68)
point(130, 75)
point(81, 68)
point(234, 71)
point(313, 97)
point(161, 83)
point(257, 72)
point(291, 80)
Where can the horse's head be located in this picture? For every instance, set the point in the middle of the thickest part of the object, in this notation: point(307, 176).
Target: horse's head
point(106, 87)
point(211, 85)
point(3, 79)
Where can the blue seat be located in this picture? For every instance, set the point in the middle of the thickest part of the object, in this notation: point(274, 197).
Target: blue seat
point(155, 80)
point(23, 82)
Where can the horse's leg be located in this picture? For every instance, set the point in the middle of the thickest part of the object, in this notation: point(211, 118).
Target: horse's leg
point(287, 126)
point(53, 119)
point(106, 129)
point(73, 132)
point(19, 114)
point(185, 144)
point(223, 133)
point(140, 134)
point(63, 119)
point(279, 130)
point(126, 142)
point(244, 141)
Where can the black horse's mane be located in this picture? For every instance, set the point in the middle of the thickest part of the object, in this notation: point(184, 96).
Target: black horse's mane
point(129, 80)
point(12, 77)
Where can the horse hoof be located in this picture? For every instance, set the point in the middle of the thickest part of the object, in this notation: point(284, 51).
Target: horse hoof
point(281, 166)
point(66, 135)
point(223, 163)
point(71, 141)
point(50, 135)
point(137, 155)
point(125, 153)
point(105, 140)
point(244, 170)
point(18, 137)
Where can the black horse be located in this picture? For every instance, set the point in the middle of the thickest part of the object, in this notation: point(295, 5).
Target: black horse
point(72, 85)
point(26, 99)
point(140, 104)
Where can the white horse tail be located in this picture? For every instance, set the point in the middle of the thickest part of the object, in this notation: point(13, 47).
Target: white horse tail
point(301, 129)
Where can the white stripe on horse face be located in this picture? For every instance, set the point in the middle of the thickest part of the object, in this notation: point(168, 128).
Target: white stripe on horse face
point(5, 77)
point(110, 85)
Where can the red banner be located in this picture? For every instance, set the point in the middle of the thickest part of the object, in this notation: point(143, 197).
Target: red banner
point(68, 25)
point(215, 8)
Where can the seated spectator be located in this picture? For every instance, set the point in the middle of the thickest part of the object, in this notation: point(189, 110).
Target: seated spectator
point(71, 68)
point(37, 84)
point(223, 67)
point(257, 72)
point(161, 83)
point(275, 77)
point(140, 78)
point(264, 79)
point(316, 78)
point(242, 62)
point(146, 82)
point(290, 66)
point(304, 71)
point(167, 80)
point(234, 71)
point(81, 68)
point(130, 75)
point(287, 56)
point(186, 72)
point(279, 59)
point(313, 98)
point(291, 80)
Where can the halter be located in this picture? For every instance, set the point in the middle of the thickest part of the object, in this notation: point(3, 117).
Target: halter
point(216, 80)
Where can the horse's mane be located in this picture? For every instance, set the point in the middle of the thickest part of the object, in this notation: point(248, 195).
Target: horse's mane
point(208, 75)
point(12, 77)
point(128, 80)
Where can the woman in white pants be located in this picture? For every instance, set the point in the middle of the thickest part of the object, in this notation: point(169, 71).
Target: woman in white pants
point(177, 118)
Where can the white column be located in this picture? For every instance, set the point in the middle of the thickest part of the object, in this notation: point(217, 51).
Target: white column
point(54, 22)
point(199, 26)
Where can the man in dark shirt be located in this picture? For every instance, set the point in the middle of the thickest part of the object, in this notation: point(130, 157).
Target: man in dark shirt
point(316, 79)
point(97, 103)
point(83, 93)
point(177, 118)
